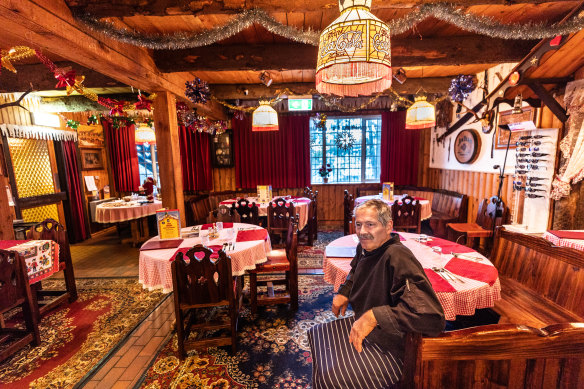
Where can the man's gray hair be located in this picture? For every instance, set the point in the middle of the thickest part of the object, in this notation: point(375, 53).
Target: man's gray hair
point(382, 208)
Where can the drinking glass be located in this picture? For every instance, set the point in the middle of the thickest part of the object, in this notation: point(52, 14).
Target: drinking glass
point(219, 226)
point(204, 237)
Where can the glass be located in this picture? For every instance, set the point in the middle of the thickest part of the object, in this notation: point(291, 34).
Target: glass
point(230, 233)
point(219, 226)
point(204, 237)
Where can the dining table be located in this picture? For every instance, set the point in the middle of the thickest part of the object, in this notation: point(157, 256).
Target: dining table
point(246, 244)
point(463, 279)
point(425, 205)
point(300, 205)
point(41, 256)
point(566, 238)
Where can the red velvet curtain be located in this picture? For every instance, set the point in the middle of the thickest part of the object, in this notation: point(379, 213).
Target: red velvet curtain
point(399, 150)
point(76, 192)
point(277, 158)
point(121, 145)
point(195, 157)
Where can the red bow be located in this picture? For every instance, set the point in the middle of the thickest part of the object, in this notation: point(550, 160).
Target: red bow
point(143, 103)
point(118, 108)
point(109, 103)
point(65, 79)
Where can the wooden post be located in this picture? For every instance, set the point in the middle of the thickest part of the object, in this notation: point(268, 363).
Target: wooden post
point(167, 143)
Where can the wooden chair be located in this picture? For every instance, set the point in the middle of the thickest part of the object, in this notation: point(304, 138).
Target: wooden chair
point(309, 233)
point(407, 215)
point(348, 205)
point(200, 284)
point(491, 213)
point(283, 260)
point(227, 213)
point(15, 292)
point(248, 211)
point(51, 229)
point(280, 212)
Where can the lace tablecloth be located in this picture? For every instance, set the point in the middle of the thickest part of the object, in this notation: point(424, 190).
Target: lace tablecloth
point(300, 204)
point(425, 205)
point(120, 211)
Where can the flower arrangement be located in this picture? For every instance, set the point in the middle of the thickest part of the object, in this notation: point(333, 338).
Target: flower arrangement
point(324, 171)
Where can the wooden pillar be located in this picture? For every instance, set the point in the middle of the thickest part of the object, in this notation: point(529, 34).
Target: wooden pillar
point(167, 144)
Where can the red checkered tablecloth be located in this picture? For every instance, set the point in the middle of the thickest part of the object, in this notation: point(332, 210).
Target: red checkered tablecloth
point(41, 256)
point(462, 299)
point(573, 243)
point(154, 266)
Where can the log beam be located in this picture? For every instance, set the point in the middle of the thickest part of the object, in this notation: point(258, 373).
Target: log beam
point(294, 56)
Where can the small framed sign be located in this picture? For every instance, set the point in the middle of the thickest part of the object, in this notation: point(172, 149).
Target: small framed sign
point(91, 159)
point(520, 124)
point(467, 146)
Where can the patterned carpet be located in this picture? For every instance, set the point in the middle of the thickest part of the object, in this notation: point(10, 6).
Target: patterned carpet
point(273, 350)
point(311, 257)
point(76, 337)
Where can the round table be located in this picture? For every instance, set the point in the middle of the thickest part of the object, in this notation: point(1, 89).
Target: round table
point(425, 205)
point(481, 287)
point(577, 244)
point(154, 266)
point(300, 205)
point(133, 211)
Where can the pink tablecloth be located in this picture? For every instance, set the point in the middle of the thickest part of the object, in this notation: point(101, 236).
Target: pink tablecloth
point(113, 211)
point(154, 267)
point(424, 204)
point(459, 298)
point(41, 256)
point(300, 204)
point(573, 243)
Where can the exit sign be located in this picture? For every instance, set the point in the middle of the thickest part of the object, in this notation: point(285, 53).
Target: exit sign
point(299, 104)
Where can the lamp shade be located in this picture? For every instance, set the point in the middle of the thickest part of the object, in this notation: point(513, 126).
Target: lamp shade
point(420, 115)
point(354, 53)
point(264, 118)
point(145, 135)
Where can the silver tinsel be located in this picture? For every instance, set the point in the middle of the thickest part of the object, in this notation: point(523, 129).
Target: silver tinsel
point(448, 13)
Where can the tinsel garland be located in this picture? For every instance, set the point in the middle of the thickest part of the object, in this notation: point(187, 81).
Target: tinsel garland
point(461, 87)
point(448, 13)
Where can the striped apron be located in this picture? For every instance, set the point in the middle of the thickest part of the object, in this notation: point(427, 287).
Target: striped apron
point(336, 363)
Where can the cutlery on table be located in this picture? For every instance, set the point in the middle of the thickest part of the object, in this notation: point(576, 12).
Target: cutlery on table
point(466, 256)
point(439, 272)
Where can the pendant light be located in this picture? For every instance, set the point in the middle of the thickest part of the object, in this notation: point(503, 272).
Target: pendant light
point(264, 118)
point(420, 115)
point(145, 135)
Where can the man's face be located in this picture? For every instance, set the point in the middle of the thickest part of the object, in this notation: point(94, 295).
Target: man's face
point(372, 234)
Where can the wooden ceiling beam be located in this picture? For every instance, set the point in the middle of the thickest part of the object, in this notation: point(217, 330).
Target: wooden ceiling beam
point(51, 26)
point(295, 56)
point(122, 8)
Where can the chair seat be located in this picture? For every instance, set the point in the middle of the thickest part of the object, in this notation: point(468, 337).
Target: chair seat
point(277, 261)
point(472, 230)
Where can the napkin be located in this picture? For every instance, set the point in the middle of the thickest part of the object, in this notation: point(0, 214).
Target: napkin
point(473, 270)
point(6, 244)
point(449, 246)
point(210, 225)
point(439, 284)
point(248, 235)
point(198, 255)
point(565, 234)
point(340, 251)
point(161, 244)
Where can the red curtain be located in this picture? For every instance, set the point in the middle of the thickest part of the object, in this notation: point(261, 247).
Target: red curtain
point(76, 192)
point(121, 145)
point(399, 150)
point(195, 157)
point(277, 158)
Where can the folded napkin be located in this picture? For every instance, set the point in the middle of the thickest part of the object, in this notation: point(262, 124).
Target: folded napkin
point(473, 270)
point(248, 235)
point(210, 225)
point(439, 284)
point(449, 246)
point(565, 234)
point(161, 244)
point(198, 255)
point(6, 244)
point(340, 251)
point(301, 200)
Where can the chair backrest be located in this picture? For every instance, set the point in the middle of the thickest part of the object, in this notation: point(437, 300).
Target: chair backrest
point(13, 280)
point(407, 214)
point(202, 281)
point(226, 213)
point(348, 205)
point(279, 214)
point(50, 229)
point(492, 212)
point(248, 211)
point(307, 192)
point(292, 241)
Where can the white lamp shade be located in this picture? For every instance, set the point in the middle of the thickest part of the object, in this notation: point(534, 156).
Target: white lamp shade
point(420, 115)
point(145, 135)
point(264, 118)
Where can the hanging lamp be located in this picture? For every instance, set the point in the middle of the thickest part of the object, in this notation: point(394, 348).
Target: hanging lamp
point(354, 53)
point(264, 118)
point(145, 135)
point(420, 115)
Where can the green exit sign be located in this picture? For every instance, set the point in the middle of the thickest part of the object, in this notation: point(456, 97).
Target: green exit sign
point(299, 104)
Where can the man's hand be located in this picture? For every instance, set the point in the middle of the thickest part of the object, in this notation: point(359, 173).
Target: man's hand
point(361, 328)
point(340, 303)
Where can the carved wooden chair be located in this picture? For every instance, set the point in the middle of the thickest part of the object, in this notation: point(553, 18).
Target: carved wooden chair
point(407, 215)
point(51, 229)
point(348, 205)
point(310, 231)
point(282, 260)
point(248, 211)
point(280, 212)
point(15, 292)
point(226, 213)
point(199, 284)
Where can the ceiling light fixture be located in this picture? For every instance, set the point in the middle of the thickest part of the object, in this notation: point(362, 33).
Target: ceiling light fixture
point(264, 118)
point(420, 115)
point(265, 78)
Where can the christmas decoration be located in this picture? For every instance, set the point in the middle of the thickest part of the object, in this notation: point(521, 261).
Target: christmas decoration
point(149, 122)
point(345, 140)
point(72, 124)
point(197, 91)
point(144, 103)
point(148, 186)
point(320, 121)
point(14, 54)
point(461, 87)
point(91, 120)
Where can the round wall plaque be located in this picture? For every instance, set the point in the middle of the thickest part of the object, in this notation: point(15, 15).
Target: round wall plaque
point(467, 146)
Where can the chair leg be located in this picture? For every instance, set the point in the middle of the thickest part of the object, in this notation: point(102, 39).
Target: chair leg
point(70, 282)
point(180, 331)
point(253, 292)
point(234, 314)
point(293, 290)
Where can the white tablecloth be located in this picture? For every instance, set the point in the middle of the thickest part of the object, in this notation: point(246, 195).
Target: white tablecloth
point(426, 207)
point(120, 211)
point(300, 205)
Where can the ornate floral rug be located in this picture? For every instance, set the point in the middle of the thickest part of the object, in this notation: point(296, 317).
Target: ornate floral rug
point(311, 257)
point(273, 350)
point(76, 337)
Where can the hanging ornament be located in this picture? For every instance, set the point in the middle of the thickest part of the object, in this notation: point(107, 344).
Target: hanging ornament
point(320, 121)
point(72, 124)
point(460, 87)
point(143, 103)
point(354, 53)
point(345, 140)
point(66, 77)
point(197, 91)
point(188, 117)
point(91, 120)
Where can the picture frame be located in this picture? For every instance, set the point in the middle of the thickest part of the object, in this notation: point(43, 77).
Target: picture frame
point(222, 150)
point(506, 117)
point(91, 159)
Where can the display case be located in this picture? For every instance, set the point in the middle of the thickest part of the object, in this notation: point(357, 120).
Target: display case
point(222, 149)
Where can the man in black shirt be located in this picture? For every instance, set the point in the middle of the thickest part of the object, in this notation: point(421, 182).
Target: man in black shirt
point(390, 294)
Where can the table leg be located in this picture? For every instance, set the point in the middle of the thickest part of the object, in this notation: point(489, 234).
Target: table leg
point(140, 232)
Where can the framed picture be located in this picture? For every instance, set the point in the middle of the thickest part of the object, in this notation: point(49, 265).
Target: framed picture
point(507, 117)
point(91, 159)
point(222, 149)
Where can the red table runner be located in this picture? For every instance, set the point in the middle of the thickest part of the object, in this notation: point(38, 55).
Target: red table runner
point(210, 225)
point(439, 284)
point(247, 235)
point(476, 271)
point(565, 234)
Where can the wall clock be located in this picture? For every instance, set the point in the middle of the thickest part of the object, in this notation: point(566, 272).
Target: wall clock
point(467, 146)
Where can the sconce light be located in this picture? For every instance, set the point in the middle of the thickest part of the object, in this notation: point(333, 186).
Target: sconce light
point(400, 76)
point(265, 78)
point(517, 105)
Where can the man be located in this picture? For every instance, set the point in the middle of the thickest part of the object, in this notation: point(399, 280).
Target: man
point(390, 294)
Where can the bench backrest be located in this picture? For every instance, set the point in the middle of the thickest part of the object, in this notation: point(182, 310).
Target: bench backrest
point(451, 203)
